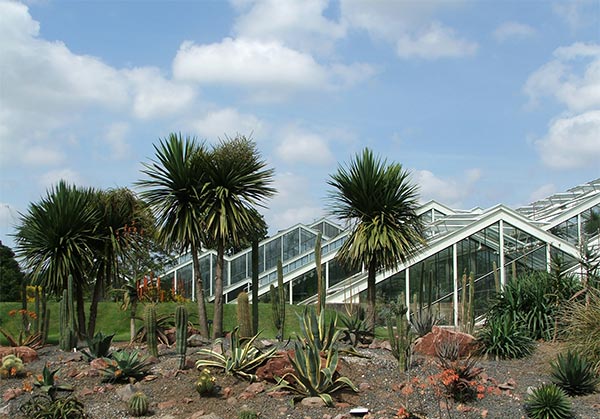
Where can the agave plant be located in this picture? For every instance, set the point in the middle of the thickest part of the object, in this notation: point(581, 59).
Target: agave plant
point(47, 384)
point(125, 365)
point(98, 346)
point(323, 334)
point(311, 377)
point(355, 329)
point(242, 359)
point(574, 374)
point(548, 402)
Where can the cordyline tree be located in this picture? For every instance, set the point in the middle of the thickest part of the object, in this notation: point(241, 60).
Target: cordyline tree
point(174, 190)
point(237, 180)
point(379, 202)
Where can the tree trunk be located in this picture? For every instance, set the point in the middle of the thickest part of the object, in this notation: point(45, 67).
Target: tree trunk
point(371, 295)
point(80, 309)
point(254, 255)
point(202, 319)
point(96, 293)
point(132, 321)
point(218, 302)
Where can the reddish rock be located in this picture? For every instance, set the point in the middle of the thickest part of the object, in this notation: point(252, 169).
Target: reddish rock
point(24, 352)
point(168, 404)
point(276, 367)
point(427, 344)
point(255, 388)
point(98, 364)
point(12, 393)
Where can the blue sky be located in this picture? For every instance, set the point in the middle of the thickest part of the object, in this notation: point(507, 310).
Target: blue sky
point(485, 102)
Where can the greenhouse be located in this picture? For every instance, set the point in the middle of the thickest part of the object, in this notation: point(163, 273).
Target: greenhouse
point(492, 246)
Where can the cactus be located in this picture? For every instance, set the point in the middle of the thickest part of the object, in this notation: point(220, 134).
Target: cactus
point(68, 336)
point(243, 315)
point(247, 414)
point(138, 404)
point(42, 315)
point(181, 323)
point(401, 340)
point(467, 302)
point(12, 367)
point(278, 303)
point(150, 324)
point(205, 386)
point(321, 292)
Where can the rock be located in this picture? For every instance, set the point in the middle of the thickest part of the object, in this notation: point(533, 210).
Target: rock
point(341, 416)
point(11, 393)
point(276, 367)
point(125, 392)
point(86, 392)
point(196, 340)
point(438, 336)
point(168, 404)
point(312, 402)
point(364, 386)
point(24, 352)
point(98, 364)
point(255, 388)
point(508, 385)
point(196, 415)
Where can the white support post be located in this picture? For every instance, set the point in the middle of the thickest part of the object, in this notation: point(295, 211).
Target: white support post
point(407, 293)
point(326, 276)
point(193, 284)
point(455, 281)
point(291, 289)
point(548, 258)
point(501, 245)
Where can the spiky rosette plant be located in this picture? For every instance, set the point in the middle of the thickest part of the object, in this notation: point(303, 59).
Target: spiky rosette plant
point(574, 374)
point(548, 402)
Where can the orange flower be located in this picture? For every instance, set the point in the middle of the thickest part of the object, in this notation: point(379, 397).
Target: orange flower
point(407, 390)
point(13, 372)
point(27, 386)
point(402, 413)
point(12, 312)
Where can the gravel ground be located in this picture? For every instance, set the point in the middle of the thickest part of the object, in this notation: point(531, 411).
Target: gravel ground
point(382, 390)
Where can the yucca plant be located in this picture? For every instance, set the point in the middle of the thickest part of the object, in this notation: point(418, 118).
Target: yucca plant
point(46, 382)
point(242, 359)
point(574, 374)
point(125, 365)
point(504, 339)
point(311, 377)
point(422, 322)
point(548, 402)
point(318, 330)
point(98, 346)
point(582, 333)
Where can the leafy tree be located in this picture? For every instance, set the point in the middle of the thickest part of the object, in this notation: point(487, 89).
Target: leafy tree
point(174, 191)
point(379, 202)
point(11, 276)
point(57, 236)
point(236, 180)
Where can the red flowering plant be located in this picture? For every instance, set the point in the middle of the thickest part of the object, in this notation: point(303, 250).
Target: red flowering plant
point(24, 338)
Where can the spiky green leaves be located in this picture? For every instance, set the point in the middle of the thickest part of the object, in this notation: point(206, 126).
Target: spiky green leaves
point(574, 374)
point(548, 402)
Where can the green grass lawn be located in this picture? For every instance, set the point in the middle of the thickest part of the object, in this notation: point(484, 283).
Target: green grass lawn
point(111, 319)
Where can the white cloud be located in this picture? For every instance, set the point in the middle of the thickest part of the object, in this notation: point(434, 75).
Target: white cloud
point(116, 140)
point(42, 156)
point(448, 191)
point(577, 13)
point(572, 142)
point(52, 177)
point(228, 121)
point(559, 79)
point(302, 147)
point(542, 192)
point(513, 30)
point(247, 62)
point(154, 96)
point(298, 24)
point(436, 41)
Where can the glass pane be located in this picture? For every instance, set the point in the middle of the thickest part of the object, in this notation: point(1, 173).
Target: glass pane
point(291, 244)
point(272, 253)
point(238, 268)
point(184, 281)
point(307, 240)
point(304, 286)
point(338, 273)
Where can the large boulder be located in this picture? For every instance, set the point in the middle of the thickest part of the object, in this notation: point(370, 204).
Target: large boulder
point(24, 352)
point(276, 367)
point(439, 336)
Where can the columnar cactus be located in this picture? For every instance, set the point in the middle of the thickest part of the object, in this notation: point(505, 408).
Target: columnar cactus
point(401, 339)
point(467, 297)
point(150, 324)
point(278, 302)
point(138, 404)
point(181, 323)
point(243, 314)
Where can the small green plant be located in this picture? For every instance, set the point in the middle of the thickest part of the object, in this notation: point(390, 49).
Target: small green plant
point(548, 402)
point(312, 376)
point(247, 414)
point(355, 329)
point(124, 366)
point(206, 384)
point(163, 322)
point(502, 338)
point(12, 367)
point(98, 346)
point(47, 383)
point(41, 406)
point(242, 359)
point(138, 404)
point(574, 374)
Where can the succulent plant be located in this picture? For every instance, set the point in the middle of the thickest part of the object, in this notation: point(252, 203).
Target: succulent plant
point(247, 414)
point(548, 402)
point(12, 367)
point(205, 386)
point(138, 404)
point(574, 374)
point(124, 366)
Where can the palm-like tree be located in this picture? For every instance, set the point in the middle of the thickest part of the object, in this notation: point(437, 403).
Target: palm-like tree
point(174, 191)
point(236, 180)
point(379, 201)
point(57, 237)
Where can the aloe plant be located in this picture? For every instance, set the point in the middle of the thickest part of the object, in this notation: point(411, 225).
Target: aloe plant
point(242, 359)
point(47, 384)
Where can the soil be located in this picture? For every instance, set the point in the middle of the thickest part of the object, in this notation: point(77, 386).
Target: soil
point(382, 389)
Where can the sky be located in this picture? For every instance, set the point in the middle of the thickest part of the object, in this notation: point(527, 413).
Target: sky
point(484, 102)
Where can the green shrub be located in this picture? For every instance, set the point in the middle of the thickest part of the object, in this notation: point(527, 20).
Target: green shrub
point(548, 402)
point(44, 407)
point(574, 374)
point(125, 365)
point(581, 331)
point(247, 414)
point(504, 339)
